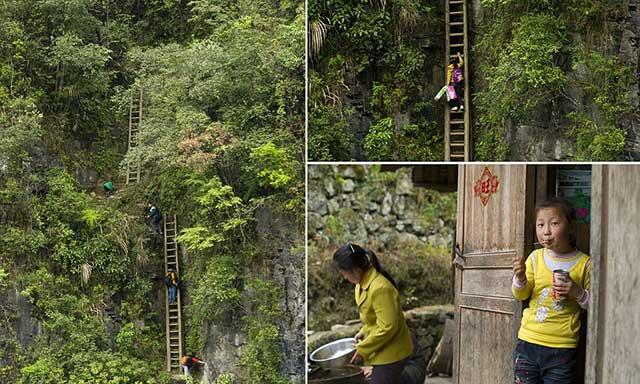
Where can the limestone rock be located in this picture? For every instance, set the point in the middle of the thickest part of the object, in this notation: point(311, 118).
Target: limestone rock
point(348, 186)
point(330, 187)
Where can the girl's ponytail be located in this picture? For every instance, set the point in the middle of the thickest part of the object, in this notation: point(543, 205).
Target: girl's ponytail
point(376, 264)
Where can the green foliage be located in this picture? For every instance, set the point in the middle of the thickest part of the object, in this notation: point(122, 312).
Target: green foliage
point(607, 85)
point(276, 168)
point(216, 294)
point(329, 139)
point(526, 70)
point(20, 125)
point(440, 205)
point(95, 368)
point(218, 211)
point(596, 143)
point(360, 47)
point(225, 378)
point(379, 143)
point(3, 277)
point(223, 131)
point(73, 346)
point(524, 76)
point(261, 357)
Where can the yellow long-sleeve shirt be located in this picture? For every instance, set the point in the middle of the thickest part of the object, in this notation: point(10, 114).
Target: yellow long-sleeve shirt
point(450, 70)
point(387, 339)
point(549, 322)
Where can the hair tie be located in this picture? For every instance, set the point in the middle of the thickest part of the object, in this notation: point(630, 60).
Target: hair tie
point(351, 247)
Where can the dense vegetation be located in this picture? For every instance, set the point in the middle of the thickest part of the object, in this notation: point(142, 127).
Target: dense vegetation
point(222, 136)
point(375, 66)
point(557, 57)
point(374, 52)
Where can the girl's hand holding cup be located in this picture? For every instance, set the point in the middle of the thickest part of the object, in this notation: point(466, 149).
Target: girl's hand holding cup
point(567, 288)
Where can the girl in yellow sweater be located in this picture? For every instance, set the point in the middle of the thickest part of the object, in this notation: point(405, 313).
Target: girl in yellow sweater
point(548, 336)
point(384, 341)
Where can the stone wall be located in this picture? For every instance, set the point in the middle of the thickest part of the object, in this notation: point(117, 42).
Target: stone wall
point(426, 323)
point(368, 211)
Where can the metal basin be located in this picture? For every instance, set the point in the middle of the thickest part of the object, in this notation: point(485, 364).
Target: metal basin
point(335, 354)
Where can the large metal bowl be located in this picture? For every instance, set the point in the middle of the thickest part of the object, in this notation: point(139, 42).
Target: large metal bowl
point(335, 354)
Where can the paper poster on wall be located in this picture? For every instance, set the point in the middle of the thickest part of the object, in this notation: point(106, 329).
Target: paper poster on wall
point(574, 184)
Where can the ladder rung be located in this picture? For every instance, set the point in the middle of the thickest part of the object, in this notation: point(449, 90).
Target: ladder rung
point(457, 133)
point(456, 34)
point(457, 121)
point(457, 144)
point(456, 13)
point(456, 45)
point(456, 23)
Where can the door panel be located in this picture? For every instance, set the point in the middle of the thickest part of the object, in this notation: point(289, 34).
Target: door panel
point(477, 326)
point(493, 202)
point(614, 323)
point(475, 282)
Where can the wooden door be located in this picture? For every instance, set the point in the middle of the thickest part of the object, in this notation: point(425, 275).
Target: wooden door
point(614, 309)
point(495, 206)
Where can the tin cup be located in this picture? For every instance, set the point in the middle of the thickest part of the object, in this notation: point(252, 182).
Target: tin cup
point(559, 275)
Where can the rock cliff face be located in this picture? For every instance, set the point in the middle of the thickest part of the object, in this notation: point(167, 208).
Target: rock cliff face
point(358, 99)
point(18, 328)
point(628, 36)
point(277, 232)
point(280, 235)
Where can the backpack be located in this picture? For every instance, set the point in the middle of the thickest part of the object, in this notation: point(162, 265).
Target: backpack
point(457, 75)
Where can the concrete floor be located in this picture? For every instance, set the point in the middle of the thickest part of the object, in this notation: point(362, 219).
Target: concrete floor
point(438, 380)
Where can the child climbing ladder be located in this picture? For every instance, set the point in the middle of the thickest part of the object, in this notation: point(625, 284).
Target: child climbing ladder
point(457, 121)
point(173, 310)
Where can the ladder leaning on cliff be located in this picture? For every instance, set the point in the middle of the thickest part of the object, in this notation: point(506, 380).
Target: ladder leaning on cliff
point(457, 124)
point(135, 118)
point(173, 312)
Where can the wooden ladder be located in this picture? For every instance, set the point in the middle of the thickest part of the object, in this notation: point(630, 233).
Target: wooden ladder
point(173, 312)
point(457, 135)
point(135, 118)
